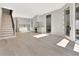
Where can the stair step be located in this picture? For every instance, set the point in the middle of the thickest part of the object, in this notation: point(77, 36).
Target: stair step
point(6, 37)
point(5, 29)
point(6, 33)
point(6, 25)
point(9, 26)
point(2, 35)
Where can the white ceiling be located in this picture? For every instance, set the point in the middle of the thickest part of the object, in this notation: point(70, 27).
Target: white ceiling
point(31, 9)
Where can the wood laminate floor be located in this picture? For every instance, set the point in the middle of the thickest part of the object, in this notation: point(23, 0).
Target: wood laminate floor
point(26, 45)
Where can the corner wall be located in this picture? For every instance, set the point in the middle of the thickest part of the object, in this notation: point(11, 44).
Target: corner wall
point(42, 19)
point(72, 21)
point(57, 22)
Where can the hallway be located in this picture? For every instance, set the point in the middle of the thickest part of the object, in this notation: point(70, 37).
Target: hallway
point(24, 44)
point(24, 31)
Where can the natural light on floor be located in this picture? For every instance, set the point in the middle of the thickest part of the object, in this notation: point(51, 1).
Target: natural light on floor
point(63, 43)
point(40, 35)
point(76, 48)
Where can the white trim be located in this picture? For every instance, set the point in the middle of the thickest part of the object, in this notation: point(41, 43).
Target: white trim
point(67, 37)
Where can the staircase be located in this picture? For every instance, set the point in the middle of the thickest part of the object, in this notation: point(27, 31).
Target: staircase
point(6, 30)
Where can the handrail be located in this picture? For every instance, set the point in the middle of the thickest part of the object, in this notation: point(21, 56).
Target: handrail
point(12, 21)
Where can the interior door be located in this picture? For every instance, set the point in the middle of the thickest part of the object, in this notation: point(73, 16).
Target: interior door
point(67, 21)
point(48, 23)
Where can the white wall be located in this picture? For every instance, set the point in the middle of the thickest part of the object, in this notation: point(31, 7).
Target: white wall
point(57, 23)
point(0, 16)
point(42, 19)
point(33, 23)
point(77, 24)
point(72, 21)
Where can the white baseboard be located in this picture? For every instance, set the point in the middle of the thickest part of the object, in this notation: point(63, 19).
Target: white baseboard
point(67, 37)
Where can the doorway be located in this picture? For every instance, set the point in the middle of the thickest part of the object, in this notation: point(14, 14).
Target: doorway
point(48, 23)
point(77, 20)
point(67, 21)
